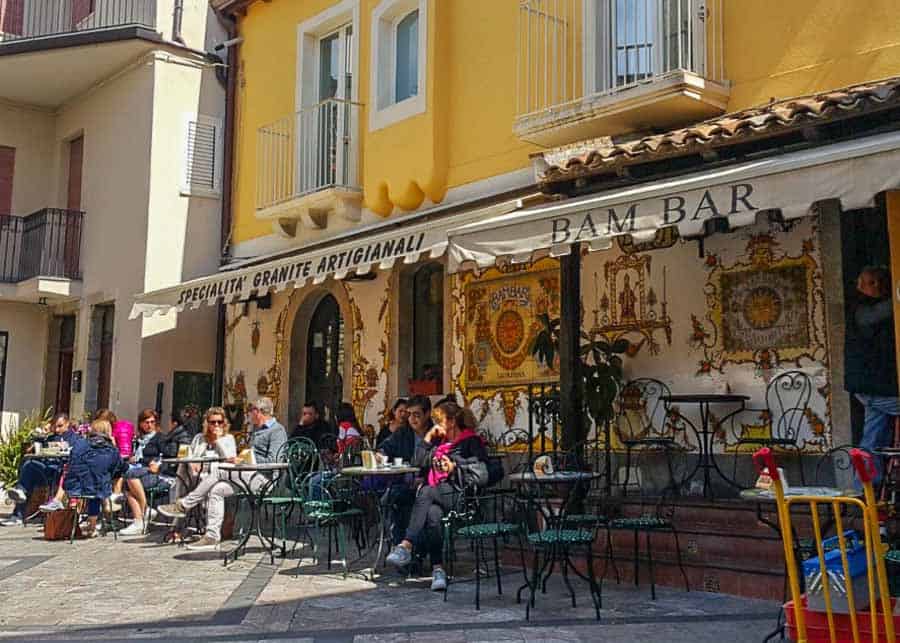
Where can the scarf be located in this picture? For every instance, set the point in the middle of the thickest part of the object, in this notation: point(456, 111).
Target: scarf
point(443, 449)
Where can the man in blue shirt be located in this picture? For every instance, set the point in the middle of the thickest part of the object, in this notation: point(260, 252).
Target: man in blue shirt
point(38, 473)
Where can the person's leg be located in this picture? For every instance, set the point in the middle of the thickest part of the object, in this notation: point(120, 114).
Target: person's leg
point(215, 509)
point(419, 514)
point(878, 427)
point(400, 503)
point(201, 491)
point(434, 534)
point(136, 492)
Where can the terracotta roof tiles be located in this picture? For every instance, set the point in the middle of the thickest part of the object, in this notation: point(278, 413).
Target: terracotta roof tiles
point(600, 156)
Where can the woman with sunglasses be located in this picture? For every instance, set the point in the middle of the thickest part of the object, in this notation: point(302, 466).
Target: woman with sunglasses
point(143, 472)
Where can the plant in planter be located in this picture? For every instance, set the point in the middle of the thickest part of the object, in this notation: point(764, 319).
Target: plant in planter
point(13, 444)
point(601, 369)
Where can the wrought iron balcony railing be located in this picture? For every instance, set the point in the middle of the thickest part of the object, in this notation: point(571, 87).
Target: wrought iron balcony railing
point(30, 19)
point(46, 243)
point(570, 50)
point(312, 150)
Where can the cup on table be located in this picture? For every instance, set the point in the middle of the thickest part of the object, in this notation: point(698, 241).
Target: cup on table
point(183, 450)
point(398, 462)
point(37, 448)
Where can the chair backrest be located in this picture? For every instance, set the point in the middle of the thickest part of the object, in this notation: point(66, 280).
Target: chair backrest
point(641, 410)
point(787, 403)
point(544, 415)
point(302, 458)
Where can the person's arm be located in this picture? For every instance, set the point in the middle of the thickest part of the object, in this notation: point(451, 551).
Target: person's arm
point(276, 439)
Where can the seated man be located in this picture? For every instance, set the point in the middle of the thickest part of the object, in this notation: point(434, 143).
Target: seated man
point(266, 440)
point(38, 473)
point(311, 425)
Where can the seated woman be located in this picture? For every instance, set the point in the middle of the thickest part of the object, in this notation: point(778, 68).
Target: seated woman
point(396, 418)
point(348, 427)
point(93, 463)
point(37, 473)
point(143, 472)
point(457, 458)
point(215, 437)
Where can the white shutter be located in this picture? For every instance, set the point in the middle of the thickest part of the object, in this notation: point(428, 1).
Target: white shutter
point(202, 175)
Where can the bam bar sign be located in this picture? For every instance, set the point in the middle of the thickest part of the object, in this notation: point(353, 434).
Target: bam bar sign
point(315, 266)
point(673, 209)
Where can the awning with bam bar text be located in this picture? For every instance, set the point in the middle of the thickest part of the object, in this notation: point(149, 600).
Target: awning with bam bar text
point(377, 246)
point(786, 186)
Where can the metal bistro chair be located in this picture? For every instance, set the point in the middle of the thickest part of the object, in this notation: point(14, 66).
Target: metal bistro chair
point(649, 437)
point(643, 425)
point(107, 519)
point(302, 458)
point(342, 503)
point(786, 412)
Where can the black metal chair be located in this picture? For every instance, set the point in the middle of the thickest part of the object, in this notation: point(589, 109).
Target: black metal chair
point(786, 413)
point(642, 424)
point(655, 512)
point(543, 417)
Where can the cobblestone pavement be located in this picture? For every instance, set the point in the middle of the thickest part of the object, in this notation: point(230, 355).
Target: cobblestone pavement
point(139, 589)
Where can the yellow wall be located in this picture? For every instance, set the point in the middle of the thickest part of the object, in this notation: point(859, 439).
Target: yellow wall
point(774, 48)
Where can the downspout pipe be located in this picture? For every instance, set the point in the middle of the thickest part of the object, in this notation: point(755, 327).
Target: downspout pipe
point(230, 25)
point(177, 16)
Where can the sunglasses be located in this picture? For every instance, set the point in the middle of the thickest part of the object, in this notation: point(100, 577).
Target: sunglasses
point(215, 422)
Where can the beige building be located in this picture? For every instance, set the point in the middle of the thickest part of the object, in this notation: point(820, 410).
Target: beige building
point(111, 149)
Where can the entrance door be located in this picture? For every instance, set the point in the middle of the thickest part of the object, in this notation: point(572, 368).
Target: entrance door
point(325, 356)
point(332, 118)
point(64, 365)
point(104, 373)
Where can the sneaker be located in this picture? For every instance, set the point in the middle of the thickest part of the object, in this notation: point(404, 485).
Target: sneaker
point(52, 505)
point(150, 515)
point(400, 556)
point(17, 494)
point(438, 580)
point(11, 521)
point(174, 510)
point(134, 529)
point(207, 543)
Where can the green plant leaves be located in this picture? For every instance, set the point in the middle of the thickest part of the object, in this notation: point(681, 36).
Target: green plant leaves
point(14, 443)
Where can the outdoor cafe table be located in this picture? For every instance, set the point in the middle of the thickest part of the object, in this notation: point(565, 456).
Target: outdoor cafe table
point(387, 472)
point(703, 401)
point(559, 485)
point(241, 477)
point(190, 483)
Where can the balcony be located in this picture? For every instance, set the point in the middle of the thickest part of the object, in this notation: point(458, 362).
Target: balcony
point(40, 254)
point(592, 68)
point(308, 167)
point(37, 37)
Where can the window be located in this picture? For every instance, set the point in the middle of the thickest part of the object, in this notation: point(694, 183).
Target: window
point(637, 40)
point(420, 337)
point(12, 15)
point(7, 167)
point(399, 45)
point(203, 157)
point(406, 60)
point(4, 349)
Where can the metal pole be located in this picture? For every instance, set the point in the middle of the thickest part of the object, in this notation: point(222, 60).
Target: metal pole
point(571, 402)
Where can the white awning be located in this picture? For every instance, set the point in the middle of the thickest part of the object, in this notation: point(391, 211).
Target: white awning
point(375, 247)
point(853, 172)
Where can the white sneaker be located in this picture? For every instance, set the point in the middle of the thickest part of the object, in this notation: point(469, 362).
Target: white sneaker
point(134, 529)
point(150, 515)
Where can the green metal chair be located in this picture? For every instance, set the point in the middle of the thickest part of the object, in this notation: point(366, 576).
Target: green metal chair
point(302, 458)
point(484, 519)
point(340, 502)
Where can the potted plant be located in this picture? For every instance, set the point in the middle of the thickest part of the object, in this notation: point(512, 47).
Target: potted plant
point(601, 369)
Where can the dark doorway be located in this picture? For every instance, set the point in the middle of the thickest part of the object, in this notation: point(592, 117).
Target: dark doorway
point(64, 364)
point(325, 356)
point(864, 242)
point(105, 319)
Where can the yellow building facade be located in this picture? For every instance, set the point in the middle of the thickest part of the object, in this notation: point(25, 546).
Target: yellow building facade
point(359, 119)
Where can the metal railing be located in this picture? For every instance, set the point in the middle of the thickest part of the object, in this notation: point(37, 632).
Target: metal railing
point(312, 150)
point(28, 19)
point(46, 243)
point(572, 49)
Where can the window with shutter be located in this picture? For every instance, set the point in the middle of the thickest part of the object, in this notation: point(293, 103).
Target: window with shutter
point(12, 16)
point(7, 166)
point(203, 156)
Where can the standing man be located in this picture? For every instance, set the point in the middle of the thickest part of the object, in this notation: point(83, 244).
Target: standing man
point(870, 357)
point(311, 425)
point(266, 439)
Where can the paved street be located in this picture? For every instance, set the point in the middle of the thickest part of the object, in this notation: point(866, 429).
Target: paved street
point(137, 588)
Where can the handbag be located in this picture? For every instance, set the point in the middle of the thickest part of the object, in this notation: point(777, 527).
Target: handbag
point(58, 525)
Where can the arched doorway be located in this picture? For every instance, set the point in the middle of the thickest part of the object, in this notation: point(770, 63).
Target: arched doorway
point(325, 356)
